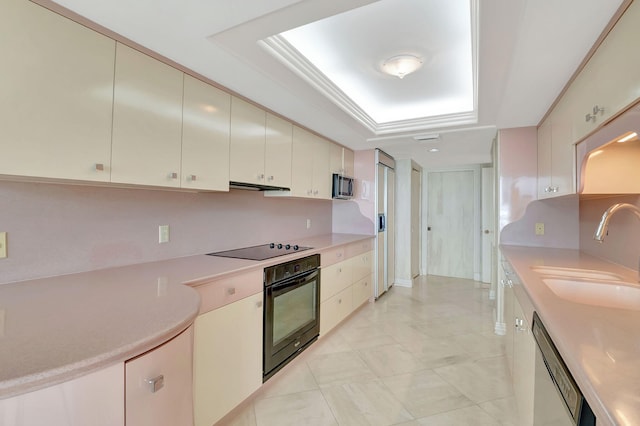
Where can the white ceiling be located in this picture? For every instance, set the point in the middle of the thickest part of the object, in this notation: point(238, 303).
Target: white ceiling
point(527, 51)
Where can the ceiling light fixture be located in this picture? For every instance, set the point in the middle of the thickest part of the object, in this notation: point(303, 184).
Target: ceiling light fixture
point(401, 65)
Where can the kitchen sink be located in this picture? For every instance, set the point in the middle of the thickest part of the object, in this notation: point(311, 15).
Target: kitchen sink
point(608, 294)
point(576, 273)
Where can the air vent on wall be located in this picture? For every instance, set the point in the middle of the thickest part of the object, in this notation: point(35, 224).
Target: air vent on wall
point(434, 137)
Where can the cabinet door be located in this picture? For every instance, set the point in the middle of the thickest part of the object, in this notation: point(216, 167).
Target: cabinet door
point(348, 162)
point(544, 159)
point(205, 136)
point(95, 399)
point(159, 385)
point(302, 163)
point(335, 309)
point(336, 159)
point(362, 291)
point(524, 358)
point(278, 149)
point(362, 265)
point(562, 154)
point(322, 178)
point(57, 95)
point(247, 142)
point(335, 278)
point(147, 120)
point(227, 358)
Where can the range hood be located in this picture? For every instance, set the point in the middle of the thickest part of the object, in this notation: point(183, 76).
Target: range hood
point(255, 187)
point(608, 162)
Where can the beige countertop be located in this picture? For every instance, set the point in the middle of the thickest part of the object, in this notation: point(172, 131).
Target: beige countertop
point(58, 328)
point(599, 344)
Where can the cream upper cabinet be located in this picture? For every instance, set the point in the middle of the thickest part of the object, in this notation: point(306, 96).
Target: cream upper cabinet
point(302, 163)
point(311, 165)
point(227, 358)
point(341, 160)
point(610, 81)
point(247, 151)
point(321, 168)
point(556, 155)
point(57, 93)
point(278, 151)
point(147, 120)
point(159, 385)
point(205, 136)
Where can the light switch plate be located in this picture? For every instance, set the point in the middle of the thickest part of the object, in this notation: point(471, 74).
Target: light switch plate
point(539, 228)
point(3, 245)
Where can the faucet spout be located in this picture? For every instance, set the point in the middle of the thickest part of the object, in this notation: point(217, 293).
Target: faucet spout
point(601, 231)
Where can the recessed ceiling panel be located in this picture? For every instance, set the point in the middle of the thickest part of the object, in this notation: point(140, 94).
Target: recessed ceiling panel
point(349, 49)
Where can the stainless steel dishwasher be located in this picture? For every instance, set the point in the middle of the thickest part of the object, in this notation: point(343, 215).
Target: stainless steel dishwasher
point(557, 398)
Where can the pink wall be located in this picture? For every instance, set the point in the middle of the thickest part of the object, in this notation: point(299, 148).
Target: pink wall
point(358, 216)
point(622, 245)
point(518, 172)
point(561, 224)
point(59, 229)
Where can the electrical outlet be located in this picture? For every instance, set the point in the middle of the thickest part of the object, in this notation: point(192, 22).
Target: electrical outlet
point(163, 234)
point(3, 245)
point(308, 223)
point(539, 228)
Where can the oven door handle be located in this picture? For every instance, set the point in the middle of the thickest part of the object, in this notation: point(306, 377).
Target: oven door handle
point(297, 280)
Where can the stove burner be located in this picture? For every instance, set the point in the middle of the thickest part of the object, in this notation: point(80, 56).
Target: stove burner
point(261, 252)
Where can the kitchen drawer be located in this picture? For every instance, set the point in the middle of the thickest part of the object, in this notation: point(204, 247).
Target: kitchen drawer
point(221, 292)
point(360, 247)
point(334, 279)
point(159, 385)
point(362, 265)
point(331, 256)
point(362, 291)
point(335, 309)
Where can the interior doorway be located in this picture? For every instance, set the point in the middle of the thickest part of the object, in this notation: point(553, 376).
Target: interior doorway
point(452, 222)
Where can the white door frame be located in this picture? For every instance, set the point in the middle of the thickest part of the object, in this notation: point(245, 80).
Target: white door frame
point(477, 216)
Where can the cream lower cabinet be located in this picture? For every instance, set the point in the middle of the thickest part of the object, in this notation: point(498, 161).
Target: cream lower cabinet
point(94, 399)
point(227, 358)
point(147, 120)
point(345, 282)
point(57, 95)
point(524, 359)
point(159, 384)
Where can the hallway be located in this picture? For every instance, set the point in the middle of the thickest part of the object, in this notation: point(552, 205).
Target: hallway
point(420, 356)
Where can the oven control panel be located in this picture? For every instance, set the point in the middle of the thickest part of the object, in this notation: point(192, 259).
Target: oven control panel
point(290, 269)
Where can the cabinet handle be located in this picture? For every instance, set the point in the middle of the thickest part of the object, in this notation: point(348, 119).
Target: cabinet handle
point(231, 291)
point(261, 176)
point(309, 192)
point(366, 283)
point(99, 167)
point(520, 325)
point(589, 117)
point(173, 175)
point(597, 110)
point(315, 192)
point(339, 255)
point(156, 383)
point(339, 270)
point(259, 304)
point(270, 178)
point(192, 178)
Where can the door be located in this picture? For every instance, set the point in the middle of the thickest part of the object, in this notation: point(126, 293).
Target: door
point(450, 223)
point(488, 220)
point(415, 222)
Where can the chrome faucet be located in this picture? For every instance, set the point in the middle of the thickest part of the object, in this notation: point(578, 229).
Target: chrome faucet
point(606, 217)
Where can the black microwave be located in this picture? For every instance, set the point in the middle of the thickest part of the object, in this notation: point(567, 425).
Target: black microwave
point(343, 187)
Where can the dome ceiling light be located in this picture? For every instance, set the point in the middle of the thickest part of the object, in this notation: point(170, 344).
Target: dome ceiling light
point(401, 65)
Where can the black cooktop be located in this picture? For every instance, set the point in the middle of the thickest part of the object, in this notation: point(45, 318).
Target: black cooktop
point(261, 252)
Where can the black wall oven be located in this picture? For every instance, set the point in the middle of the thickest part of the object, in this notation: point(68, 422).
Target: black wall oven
point(291, 311)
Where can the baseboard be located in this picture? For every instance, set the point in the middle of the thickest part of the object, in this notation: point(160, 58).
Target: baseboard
point(403, 283)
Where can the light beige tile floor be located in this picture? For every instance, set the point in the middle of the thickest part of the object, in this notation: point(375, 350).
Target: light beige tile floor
point(420, 356)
